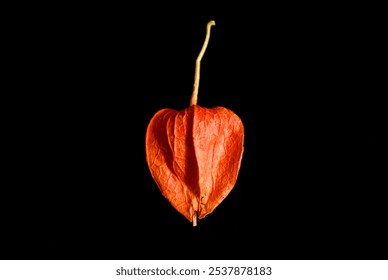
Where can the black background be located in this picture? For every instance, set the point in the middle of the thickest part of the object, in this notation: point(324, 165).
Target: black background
point(86, 81)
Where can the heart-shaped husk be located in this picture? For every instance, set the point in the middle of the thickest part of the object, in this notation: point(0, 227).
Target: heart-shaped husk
point(194, 156)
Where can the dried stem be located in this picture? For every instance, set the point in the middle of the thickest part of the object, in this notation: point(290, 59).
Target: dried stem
point(194, 96)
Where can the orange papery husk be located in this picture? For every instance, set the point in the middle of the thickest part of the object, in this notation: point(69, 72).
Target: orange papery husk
point(194, 156)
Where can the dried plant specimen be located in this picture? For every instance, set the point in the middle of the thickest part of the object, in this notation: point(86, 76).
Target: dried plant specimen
point(194, 155)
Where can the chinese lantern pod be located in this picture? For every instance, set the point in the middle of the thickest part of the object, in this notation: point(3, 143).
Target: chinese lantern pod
point(194, 156)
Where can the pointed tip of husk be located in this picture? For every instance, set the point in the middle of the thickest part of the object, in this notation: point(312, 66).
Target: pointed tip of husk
point(195, 220)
